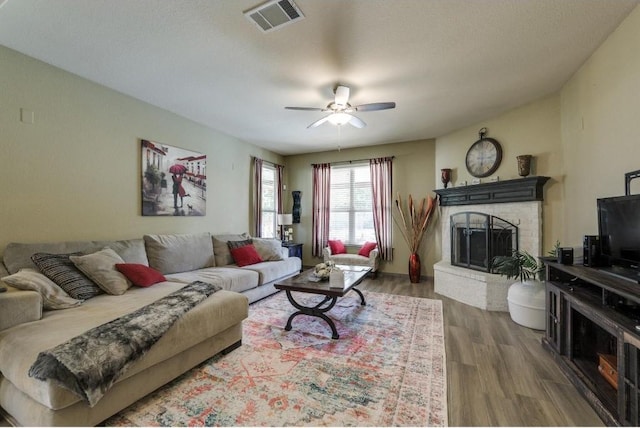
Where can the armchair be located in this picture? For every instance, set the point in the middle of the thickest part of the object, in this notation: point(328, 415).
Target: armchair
point(372, 261)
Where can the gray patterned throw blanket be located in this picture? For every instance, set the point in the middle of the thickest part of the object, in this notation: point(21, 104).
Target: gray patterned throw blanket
point(91, 363)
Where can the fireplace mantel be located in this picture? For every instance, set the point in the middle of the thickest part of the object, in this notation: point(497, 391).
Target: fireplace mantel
point(517, 190)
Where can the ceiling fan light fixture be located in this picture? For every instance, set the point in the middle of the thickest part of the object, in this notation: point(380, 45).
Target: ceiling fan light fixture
point(339, 119)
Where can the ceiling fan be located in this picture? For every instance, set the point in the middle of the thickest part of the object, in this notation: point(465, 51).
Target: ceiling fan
point(340, 109)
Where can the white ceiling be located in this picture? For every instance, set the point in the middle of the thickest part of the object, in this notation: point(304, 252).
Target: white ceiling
point(446, 63)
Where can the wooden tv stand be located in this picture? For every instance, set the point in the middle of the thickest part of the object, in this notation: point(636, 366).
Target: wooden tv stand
point(592, 318)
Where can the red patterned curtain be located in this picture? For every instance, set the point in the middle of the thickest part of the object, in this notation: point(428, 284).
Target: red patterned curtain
point(321, 207)
point(381, 169)
point(257, 196)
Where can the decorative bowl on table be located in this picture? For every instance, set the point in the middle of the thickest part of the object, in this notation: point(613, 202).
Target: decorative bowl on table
point(323, 270)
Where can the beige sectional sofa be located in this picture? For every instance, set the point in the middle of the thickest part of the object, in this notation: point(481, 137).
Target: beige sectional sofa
point(213, 326)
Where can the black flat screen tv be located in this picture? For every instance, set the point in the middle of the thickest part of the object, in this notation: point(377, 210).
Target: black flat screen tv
point(619, 229)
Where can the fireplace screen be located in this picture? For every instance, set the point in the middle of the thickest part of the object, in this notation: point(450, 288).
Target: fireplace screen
point(476, 238)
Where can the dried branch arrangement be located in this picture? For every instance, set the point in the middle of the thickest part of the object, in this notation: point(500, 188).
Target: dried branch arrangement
point(414, 219)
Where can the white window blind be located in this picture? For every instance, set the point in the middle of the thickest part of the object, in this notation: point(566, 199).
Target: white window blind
point(269, 201)
point(351, 217)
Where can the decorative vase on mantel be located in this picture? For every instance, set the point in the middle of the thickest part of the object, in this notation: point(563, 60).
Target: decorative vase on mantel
point(414, 268)
point(445, 176)
point(524, 165)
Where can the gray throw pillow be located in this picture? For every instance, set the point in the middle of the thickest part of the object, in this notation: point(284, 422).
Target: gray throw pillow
point(61, 270)
point(238, 244)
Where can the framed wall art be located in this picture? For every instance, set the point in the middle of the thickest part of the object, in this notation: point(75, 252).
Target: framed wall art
point(174, 181)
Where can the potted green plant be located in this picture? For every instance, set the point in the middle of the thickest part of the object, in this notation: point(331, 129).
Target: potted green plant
point(526, 297)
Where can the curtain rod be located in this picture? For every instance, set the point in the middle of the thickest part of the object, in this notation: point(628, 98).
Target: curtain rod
point(270, 163)
point(352, 161)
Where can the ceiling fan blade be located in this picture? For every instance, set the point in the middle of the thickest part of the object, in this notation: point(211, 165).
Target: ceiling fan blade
point(357, 122)
point(318, 122)
point(305, 108)
point(342, 95)
point(375, 106)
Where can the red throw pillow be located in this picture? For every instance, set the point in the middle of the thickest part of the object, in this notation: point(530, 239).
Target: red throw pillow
point(140, 275)
point(337, 247)
point(247, 255)
point(366, 248)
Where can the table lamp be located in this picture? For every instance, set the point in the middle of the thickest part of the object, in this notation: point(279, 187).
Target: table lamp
point(286, 232)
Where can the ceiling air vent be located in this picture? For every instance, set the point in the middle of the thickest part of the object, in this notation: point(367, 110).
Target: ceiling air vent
point(274, 14)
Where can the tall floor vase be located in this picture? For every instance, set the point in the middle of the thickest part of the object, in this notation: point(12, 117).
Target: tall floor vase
point(414, 268)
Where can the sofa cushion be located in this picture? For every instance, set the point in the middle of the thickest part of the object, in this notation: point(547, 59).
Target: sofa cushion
point(100, 267)
point(221, 249)
point(269, 249)
point(140, 275)
point(53, 297)
point(245, 255)
point(271, 271)
point(179, 252)
point(366, 248)
point(131, 250)
point(229, 278)
point(18, 255)
point(61, 270)
point(337, 247)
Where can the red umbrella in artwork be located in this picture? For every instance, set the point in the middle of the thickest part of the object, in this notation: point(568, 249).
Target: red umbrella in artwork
point(177, 169)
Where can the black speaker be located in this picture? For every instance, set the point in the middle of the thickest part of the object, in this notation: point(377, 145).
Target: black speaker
point(592, 251)
point(565, 255)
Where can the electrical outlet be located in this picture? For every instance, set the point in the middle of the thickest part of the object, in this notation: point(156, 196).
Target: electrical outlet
point(27, 116)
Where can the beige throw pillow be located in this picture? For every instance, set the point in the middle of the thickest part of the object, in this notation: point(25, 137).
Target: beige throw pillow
point(53, 297)
point(100, 267)
point(268, 249)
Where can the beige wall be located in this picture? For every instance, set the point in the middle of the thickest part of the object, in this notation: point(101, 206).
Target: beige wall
point(75, 172)
point(532, 129)
point(600, 108)
point(413, 173)
point(585, 137)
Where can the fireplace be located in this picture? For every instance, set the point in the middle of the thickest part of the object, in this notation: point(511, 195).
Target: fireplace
point(506, 215)
point(476, 238)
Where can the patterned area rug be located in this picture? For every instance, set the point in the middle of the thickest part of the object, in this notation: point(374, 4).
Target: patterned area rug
point(387, 369)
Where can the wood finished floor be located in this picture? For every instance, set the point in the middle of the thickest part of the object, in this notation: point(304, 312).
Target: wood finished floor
point(498, 374)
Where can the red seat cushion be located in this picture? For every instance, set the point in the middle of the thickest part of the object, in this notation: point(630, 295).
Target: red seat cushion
point(337, 247)
point(140, 275)
point(366, 248)
point(246, 255)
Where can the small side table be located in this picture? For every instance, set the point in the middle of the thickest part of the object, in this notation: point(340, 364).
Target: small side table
point(295, 250)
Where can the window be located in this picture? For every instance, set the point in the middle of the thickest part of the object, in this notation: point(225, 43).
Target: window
point(351, 218)
point(269, 201)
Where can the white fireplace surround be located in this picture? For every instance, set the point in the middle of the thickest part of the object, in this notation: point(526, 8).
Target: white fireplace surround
point(481, 289)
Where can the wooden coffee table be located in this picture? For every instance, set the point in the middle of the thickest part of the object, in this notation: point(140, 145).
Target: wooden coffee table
point(353, 275)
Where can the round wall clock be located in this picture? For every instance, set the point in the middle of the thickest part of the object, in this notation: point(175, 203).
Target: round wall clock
point(484, 156)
